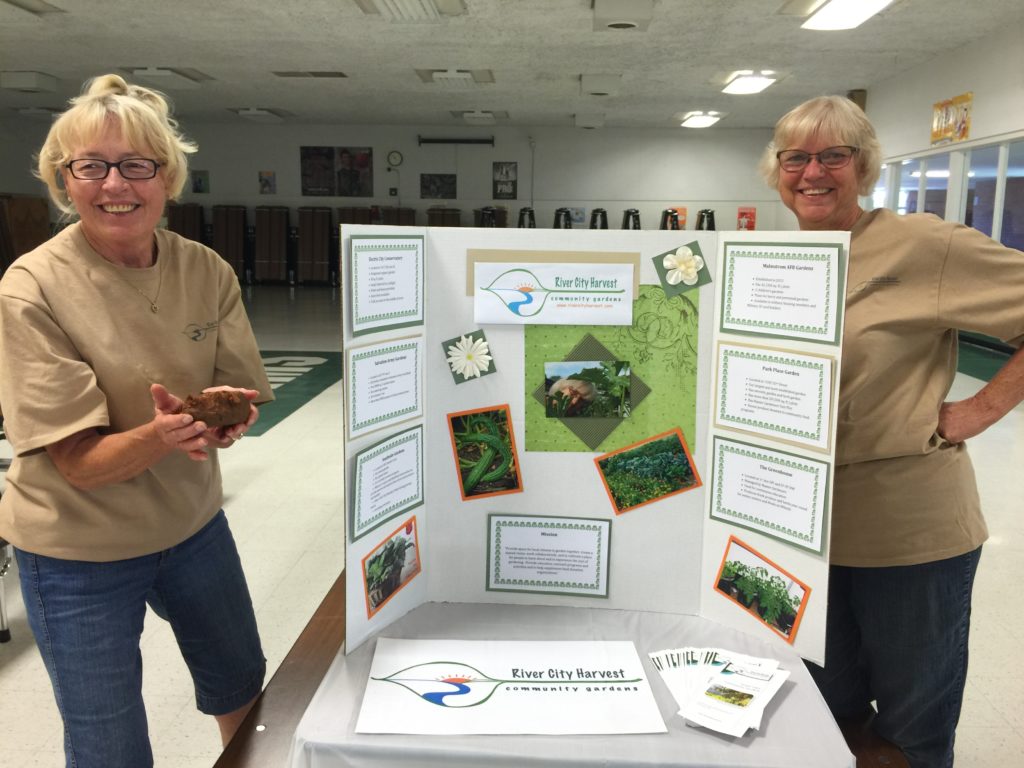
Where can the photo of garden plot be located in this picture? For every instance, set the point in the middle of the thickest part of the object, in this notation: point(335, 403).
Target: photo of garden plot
point(485, 452)
point(648, 471)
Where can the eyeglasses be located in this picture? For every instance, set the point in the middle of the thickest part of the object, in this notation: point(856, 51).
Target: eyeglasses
point(832, 158)
point(94, 169)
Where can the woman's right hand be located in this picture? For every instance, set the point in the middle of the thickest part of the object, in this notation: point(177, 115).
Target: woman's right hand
point(178, 430)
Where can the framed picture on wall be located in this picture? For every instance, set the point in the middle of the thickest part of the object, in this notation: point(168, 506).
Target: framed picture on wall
point(437, 186)
point(505, 180)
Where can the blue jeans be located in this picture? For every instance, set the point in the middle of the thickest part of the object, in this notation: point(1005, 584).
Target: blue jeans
point(87, 620)
point(898, 636)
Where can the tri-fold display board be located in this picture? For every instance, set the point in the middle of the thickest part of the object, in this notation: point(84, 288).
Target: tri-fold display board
point(632, 419)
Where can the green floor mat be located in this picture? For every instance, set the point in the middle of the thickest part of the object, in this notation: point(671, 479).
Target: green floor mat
point(297, 377)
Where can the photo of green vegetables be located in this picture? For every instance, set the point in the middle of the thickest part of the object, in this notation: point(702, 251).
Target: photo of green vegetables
point(485, 452)
point(647, 471)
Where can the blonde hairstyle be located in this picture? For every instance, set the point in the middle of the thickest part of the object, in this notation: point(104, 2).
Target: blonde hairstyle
point(836, 119)
point(144, 117)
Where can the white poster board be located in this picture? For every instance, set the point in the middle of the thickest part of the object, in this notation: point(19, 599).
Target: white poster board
point(659, 556)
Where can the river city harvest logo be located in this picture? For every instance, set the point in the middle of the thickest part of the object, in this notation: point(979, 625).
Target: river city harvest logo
point(453, 684)
point(524, 295)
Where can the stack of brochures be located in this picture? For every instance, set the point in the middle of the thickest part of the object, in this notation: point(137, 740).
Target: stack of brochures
point(719, 689)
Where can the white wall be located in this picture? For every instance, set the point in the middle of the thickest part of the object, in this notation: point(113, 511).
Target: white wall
point(901, 107)
point(608, 168)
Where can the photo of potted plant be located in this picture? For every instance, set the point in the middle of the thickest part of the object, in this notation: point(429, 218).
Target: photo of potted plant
point(761, 588)
point(390, 565)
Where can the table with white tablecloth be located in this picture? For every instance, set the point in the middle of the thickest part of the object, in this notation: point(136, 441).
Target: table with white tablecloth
point(797, 729)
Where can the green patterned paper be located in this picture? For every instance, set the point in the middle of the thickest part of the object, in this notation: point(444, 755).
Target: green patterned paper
point(661, 347)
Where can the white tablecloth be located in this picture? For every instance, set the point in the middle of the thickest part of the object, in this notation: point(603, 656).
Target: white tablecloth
point(797, 729)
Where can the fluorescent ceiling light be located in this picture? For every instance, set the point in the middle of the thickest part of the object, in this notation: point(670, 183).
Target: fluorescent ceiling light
point(28, 82)
point(161, 77)
point(37, 113)
point(844, 14)
point(35, 7)
point(259, 115)
point(701, 119)
point(412, 10)
point(748, 81)
point(588, 120)
point(936, 174)
point(479, 117)
point(453, 79)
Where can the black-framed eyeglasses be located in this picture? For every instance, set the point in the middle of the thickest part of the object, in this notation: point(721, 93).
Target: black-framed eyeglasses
point(832, 158)
point(94, 169)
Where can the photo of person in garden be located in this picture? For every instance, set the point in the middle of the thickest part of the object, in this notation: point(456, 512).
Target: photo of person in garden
point(592, 388)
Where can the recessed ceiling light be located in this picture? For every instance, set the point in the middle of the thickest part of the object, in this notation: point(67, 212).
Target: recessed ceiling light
point(701, 119)
point(844, 14)
point(747, 81)
point(623, 14)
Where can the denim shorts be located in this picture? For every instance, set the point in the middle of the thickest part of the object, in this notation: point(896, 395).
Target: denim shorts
point(87, 619)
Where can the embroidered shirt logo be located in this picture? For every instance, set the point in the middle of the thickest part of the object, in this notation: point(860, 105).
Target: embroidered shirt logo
point(197, 332)
point(876, 282)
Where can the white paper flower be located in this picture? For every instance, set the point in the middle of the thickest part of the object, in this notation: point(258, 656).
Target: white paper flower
point(683, 266)
point(469, 357)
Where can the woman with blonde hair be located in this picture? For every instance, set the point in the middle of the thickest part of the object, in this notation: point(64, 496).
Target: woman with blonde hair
point(113, 497)
point(907, 527)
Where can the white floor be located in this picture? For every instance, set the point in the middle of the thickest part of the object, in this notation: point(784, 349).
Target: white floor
point(284, 505)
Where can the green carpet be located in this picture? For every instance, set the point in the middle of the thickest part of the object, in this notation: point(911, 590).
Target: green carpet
point(297, 377)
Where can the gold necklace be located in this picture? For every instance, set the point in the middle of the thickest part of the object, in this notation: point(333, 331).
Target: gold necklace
point(159, 284)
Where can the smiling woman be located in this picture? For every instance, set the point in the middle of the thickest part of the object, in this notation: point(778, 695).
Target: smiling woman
point(114, 494)
point(907, 526)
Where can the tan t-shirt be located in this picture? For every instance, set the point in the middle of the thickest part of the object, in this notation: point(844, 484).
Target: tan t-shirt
point(902, 495)
point(79, 348)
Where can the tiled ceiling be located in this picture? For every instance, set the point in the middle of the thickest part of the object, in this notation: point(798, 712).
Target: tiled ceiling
point(536, 51)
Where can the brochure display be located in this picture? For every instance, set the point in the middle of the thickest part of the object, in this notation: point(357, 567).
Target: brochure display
point(633, 420)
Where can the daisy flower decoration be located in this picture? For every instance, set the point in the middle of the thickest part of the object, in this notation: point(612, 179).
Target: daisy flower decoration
point(682, 266)
point(469, 357)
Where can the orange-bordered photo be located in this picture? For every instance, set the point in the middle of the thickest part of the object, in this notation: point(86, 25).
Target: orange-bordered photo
point(763, 589)
point(485, 452)
point(389, 566)
point(647, 471)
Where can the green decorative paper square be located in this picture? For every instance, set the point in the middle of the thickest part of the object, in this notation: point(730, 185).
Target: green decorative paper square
point(661, 347)
point(468, 356)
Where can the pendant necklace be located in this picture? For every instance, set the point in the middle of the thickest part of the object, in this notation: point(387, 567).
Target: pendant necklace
point(159, 284)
